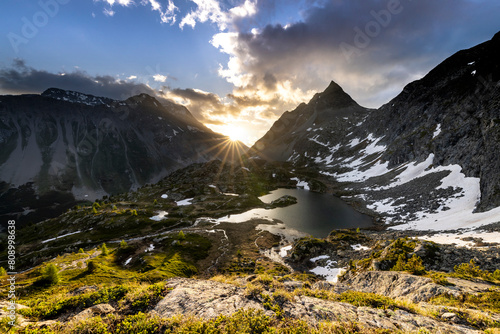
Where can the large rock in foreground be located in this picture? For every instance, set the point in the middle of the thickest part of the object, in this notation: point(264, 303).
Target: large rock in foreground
point(209, 299)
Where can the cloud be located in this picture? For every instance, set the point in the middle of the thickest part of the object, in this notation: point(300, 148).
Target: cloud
point(371, 48)
point(121, 2)
point(167, 15)
point(160, 78)
point(248, 8)
point(20, 79)
point(207, 10)
point(214, 11)
point(108, 12)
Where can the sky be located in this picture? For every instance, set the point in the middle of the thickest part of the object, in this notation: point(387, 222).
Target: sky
point(237, 65)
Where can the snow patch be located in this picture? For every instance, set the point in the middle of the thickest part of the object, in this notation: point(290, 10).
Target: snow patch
point(193, 129)
point(302, 184)
point(359, 247)
point(317, 258)
point(437, 131)
point(329, 271)
point(315, 139)
point(186, 201)
point(358, 176)
point(161, 215)
point(60, 236)
point(354, 142)
point(457, 238)
point(284, 250)
point(164, 196)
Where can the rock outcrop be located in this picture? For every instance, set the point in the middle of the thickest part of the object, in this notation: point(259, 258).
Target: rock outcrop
point(209, 299)
point(203, 299)
point(410, 287)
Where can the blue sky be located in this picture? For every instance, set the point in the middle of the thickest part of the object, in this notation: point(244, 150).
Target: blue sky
point(236, 64)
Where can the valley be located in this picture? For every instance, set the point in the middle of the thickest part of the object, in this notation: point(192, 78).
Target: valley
point(193, 233)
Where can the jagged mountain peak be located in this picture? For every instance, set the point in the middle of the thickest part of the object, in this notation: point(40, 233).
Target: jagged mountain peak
point(333, 97)
point(142, 98)
point(332, 111)
point(76, 97)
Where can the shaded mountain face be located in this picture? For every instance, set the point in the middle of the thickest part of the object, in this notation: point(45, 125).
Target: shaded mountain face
point(296, 134)
point(430, 155)
point(85, 147)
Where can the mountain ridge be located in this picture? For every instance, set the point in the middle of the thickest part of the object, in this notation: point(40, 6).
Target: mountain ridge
point(441, 130)
point(87, 147)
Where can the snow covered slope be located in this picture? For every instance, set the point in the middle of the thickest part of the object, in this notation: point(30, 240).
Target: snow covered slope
point(428, 159)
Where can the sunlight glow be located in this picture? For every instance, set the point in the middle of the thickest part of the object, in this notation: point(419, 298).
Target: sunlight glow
point(236, 133)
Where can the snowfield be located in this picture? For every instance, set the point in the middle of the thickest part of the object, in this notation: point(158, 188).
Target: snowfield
point(454, 212)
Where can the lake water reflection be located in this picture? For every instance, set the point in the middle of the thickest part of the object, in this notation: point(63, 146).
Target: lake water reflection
point(315, 214)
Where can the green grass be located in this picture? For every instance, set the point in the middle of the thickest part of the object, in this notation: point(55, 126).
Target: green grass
point(485, 301)
point(243, 321)
point(53, 306)
point(471, 271)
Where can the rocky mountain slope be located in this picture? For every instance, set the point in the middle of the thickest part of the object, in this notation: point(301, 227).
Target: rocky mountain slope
point(430, 154)
point(63, 146)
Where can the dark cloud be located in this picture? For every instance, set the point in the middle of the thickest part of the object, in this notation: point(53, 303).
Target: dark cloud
point(23, 79)
point(370, 47)
point(196, 96)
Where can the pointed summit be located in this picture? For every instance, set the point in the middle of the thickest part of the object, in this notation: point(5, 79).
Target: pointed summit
point(295, 131)
point(333, 96)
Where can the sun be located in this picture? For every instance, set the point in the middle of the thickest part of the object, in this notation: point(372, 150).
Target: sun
point(236, 133)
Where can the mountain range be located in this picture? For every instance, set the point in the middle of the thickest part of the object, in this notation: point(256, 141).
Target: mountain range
point(165, 258)
point(61, 147)
point(430, 154)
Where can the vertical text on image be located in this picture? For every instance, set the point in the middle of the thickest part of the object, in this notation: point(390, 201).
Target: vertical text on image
point(11, 261)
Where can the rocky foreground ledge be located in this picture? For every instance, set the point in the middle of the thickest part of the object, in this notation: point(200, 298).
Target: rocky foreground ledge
point(375, 300)
point(208, 299)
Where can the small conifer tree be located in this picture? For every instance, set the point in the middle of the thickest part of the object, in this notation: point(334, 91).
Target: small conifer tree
point(2, 272)
point(400, 264)
point(123, 244)
point(51, 275)
point(181, 235)
point(104, 249)
point(415, 265)
point(92, 266)
point(80, 251)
